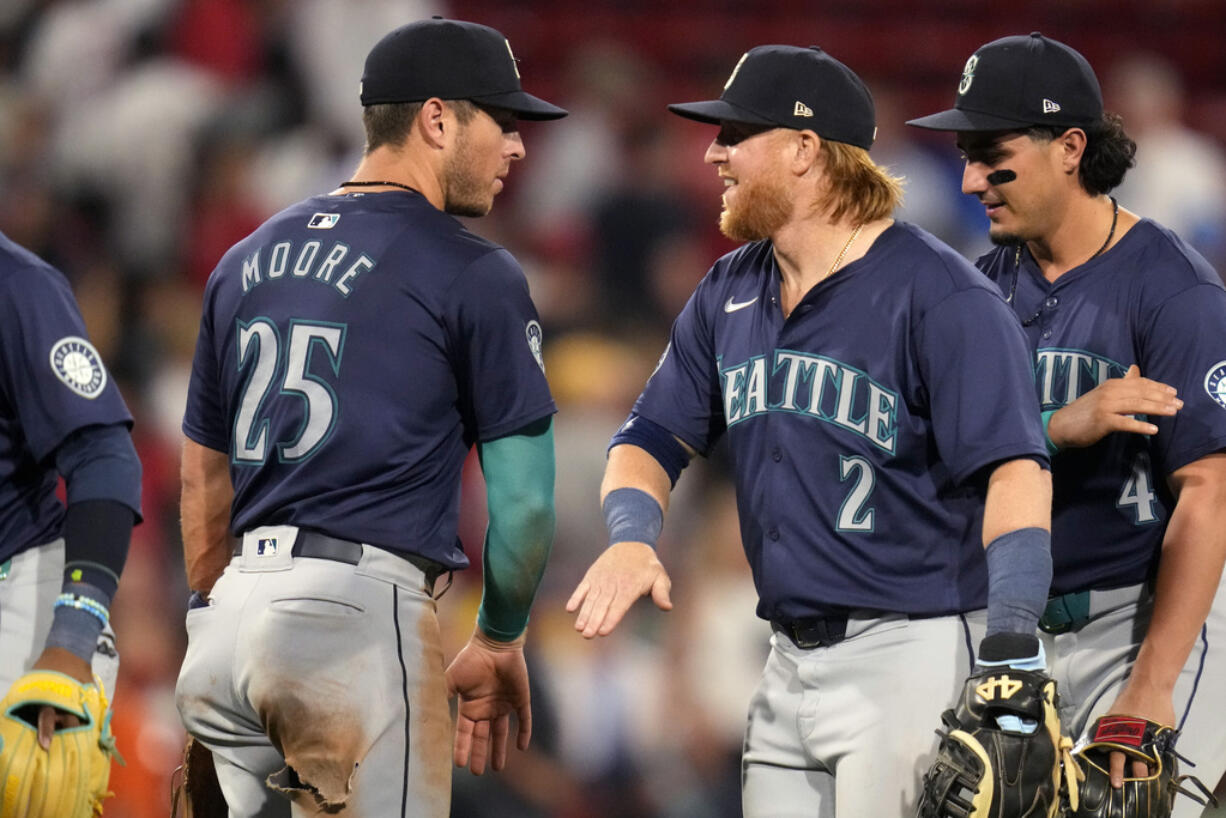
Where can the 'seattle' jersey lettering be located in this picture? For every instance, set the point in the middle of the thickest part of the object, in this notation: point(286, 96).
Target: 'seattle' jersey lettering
point(1151, 301)
point(1064, 375)
point(861, 425)
point(815, 386)
point(351, 352)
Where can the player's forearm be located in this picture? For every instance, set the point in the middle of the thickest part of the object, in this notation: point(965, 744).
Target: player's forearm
point(519, 479)
point(1019, 496)
point(1189, 570)
point(205, 514)
point(632, 467)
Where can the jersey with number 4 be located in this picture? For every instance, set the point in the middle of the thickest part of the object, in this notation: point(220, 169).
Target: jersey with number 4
point(1151, 301)
point(859, 426)
point(351, 352)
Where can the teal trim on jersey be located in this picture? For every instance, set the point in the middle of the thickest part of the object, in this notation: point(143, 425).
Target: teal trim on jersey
point(519, 476)
point(1052, 448)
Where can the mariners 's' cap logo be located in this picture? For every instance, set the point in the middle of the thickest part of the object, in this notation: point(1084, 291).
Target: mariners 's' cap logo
point(535, 337)
point(75, 362)
point(968, 74)
point(1215, 383)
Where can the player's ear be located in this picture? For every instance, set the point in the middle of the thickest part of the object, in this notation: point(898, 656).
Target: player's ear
point(1072, 145)
point(434, 122)
point(807, 150)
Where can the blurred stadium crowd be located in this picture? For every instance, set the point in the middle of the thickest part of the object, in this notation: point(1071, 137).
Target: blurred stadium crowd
point(140, 138)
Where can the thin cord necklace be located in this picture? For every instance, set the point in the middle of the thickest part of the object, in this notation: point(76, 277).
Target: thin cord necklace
point(839, 259)
point(352, 183)
point(1017, 259)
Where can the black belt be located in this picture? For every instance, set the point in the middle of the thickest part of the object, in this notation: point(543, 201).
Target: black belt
point(319, 546)
point(813, 631)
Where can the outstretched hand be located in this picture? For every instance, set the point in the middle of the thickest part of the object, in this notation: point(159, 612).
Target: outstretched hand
point(622, 574)
point(490, 678)
point(1109, 407)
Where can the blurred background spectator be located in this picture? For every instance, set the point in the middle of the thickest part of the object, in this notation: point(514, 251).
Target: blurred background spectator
point(140, 138)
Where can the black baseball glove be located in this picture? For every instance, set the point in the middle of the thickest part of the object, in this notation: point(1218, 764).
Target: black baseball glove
point(1138, 739)
point(1001, 751)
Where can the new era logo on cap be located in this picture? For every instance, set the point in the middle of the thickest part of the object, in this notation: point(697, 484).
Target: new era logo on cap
point(1050, 107)
point(801, 109)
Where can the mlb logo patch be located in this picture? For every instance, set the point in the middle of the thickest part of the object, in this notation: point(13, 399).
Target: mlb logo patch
point(324, 221)
point(266, 547)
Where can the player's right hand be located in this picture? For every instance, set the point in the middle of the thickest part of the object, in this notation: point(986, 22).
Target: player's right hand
point(1109, 407)
point(622, 574)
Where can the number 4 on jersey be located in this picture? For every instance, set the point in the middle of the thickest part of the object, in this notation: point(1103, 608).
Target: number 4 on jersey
point(1137, 492)
point(259, 347)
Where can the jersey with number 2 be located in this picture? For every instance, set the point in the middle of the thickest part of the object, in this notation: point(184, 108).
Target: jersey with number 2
point(856, 423)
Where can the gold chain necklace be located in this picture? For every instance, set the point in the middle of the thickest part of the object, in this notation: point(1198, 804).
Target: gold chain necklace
point(839, 259)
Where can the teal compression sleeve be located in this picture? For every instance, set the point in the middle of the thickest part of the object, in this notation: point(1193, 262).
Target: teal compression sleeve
point(519, 477)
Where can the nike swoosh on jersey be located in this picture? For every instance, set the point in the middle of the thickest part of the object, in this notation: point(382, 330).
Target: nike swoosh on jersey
point(732, 306)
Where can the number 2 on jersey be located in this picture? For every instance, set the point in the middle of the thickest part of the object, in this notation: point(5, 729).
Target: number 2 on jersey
point(853, 516)
point(259, 348)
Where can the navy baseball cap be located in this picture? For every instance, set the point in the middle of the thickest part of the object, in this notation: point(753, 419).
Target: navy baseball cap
point(449, 59)
point(786, 86)
point(1017, 82)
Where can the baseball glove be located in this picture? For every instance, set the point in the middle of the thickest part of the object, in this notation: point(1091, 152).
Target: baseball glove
point(195, 792)
point(68, 780)
point(1139, 740)
point(984, 771)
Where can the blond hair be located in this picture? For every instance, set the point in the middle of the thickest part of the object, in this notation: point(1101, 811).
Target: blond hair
point(858, 188)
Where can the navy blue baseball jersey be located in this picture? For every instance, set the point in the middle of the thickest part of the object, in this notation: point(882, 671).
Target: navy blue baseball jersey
point(351, 352)
point(855, 424)
point(52, 382)
point(1151, 301)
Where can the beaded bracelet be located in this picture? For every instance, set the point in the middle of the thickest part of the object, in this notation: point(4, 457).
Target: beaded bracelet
point(84, 603)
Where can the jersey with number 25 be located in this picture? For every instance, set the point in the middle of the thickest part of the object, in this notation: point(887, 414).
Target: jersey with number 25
point(351, 352)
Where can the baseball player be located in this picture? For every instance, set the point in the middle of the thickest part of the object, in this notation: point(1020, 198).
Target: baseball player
point(351, 352)
point(873, 390)
point(61, 415)
point(1127, 324)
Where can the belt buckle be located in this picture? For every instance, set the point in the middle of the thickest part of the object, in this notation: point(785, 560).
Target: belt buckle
point(816, 632)
point(1065, 612)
